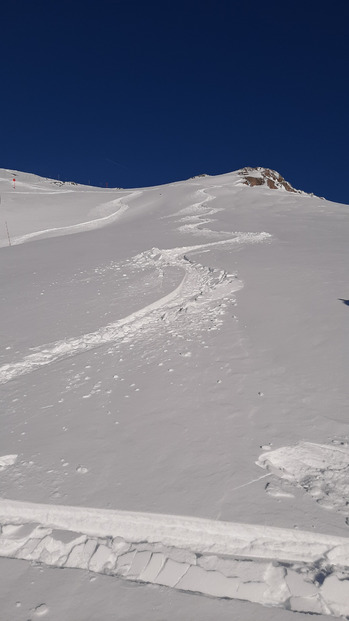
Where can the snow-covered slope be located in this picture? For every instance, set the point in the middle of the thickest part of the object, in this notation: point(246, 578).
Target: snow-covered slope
point(158, 347)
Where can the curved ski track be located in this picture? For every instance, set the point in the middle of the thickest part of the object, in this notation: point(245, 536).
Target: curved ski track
point(199, 285)
point(81, 226)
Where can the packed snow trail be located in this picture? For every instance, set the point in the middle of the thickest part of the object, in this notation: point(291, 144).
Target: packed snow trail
point(81, 226)
point(292, 569)
point(199, 286)
point(193, 218)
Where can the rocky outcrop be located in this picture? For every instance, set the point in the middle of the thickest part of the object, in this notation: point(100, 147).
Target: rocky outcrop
point(265, 176)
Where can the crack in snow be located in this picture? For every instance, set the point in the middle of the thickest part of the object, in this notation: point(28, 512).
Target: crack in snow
point(274, 567)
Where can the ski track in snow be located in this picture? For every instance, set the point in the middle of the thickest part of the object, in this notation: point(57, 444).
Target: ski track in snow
point(82, 226)
point(193, 218)
point(292, 569)
point(201, 287)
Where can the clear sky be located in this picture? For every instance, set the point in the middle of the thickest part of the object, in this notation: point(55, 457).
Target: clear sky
point(137, 93)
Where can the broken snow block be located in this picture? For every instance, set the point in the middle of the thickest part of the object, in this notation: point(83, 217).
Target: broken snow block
point(298, 586)
point(306, 604)
point(124, 563)
point(335, 593)
point(103, 560)
point(139, 563)
point(252, 592)
point(171, 573)
point(81, 554)
point(208, 582)
point(277, 590)
point(152, 570)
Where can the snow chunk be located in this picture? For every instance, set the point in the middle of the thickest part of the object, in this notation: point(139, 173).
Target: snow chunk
point(7, 460)
point(322, 470)
point(209, 582)
point(336, 595)
point(41, 610)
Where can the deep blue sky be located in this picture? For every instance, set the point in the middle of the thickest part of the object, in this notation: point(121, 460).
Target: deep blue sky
point(140, 93)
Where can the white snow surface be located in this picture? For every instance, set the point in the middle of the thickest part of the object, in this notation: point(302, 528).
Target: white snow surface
point(158, 346)
point(7, 460)
point(322, 470)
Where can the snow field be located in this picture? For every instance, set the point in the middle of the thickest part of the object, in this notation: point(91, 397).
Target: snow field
point(171, 415)
point(81, 227)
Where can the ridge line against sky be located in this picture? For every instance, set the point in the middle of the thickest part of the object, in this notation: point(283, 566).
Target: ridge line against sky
point(138, 94)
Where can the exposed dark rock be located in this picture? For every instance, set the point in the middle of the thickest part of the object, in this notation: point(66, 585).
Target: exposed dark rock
point(265, 176)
